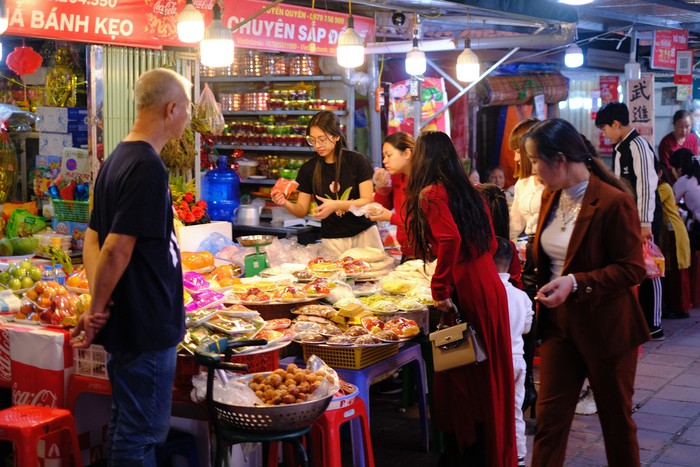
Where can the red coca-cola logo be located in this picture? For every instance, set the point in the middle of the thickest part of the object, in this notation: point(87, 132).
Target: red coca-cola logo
point(203, 4)
point(43, 398)
point(165, 8)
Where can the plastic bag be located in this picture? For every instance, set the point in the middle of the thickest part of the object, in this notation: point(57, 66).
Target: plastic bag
point(207, 117)
point(654, 260)
point(23, 224)
point(215, 242)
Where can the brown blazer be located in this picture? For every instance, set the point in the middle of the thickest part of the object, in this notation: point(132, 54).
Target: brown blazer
point(603, 317)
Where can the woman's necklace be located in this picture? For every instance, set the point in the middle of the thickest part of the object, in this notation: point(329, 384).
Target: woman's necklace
point(570, 203)
point(569, 213)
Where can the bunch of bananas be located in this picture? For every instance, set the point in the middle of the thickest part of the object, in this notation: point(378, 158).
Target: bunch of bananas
point(56, 255)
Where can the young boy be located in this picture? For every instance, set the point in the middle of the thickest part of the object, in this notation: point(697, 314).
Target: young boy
point(520, 312)
point(633, 161)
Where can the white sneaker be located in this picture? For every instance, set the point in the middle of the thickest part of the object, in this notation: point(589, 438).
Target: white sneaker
point(586, 403)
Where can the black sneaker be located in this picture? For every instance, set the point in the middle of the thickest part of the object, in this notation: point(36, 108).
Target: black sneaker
point(657, 333)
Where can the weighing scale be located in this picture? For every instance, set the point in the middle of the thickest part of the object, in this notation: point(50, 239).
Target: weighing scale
point(255, 262)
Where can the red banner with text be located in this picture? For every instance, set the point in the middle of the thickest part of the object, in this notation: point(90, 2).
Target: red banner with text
point(153, 23)
point(663, 49)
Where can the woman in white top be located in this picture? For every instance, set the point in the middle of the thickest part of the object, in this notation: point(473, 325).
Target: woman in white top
point(686, 169)
point(524, 213)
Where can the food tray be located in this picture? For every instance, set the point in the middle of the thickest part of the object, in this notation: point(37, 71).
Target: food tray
point(351, 358)
point(91, 361)
point(64, 210)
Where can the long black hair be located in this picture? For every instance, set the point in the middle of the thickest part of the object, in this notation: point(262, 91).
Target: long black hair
point(498, 206)
point(327, 122)
point(434, 161)
point(684, 160)
point(556, 137)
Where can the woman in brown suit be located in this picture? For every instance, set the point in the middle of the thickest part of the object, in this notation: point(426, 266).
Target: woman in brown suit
point(588, 252)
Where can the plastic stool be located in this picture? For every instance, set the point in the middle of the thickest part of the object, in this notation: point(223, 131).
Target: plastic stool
point(25, 425)
point(179, 443)
point(270, 445)
point(326, 434)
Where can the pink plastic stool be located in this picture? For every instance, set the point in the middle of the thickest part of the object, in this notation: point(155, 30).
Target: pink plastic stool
point(25, 425)
point(326, 434)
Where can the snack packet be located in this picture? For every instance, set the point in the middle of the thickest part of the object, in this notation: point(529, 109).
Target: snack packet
point(284, 186)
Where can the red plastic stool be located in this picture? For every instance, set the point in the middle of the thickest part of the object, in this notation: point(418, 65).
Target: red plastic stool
point(25, 425)
point(326, 434)
point(78, 384)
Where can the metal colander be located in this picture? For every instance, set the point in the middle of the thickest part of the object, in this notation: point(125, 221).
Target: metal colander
point(270, 419)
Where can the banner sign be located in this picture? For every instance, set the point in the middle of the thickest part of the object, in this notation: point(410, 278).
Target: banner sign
point(608, 93)
point(664, 46)
point(640, 101)
point(153, 23)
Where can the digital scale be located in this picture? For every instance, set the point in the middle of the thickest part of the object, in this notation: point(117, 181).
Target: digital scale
point(255, 262)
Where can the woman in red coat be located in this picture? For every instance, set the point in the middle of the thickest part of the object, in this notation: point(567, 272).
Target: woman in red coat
point(448, 220)
point(390, 184)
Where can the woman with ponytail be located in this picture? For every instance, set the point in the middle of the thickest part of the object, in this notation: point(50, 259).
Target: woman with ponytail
point(589, 261)
point(447, 220)
point(335, 180)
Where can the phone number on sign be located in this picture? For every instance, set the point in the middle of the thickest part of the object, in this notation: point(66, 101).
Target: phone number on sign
point(100, 3)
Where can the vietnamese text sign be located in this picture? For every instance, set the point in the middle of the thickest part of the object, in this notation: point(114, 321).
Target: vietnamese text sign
point(153, 23)
point(664, 46)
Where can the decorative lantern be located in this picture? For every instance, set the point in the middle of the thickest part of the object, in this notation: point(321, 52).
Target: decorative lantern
point(23, 60)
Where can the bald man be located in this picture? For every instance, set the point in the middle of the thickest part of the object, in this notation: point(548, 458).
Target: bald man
point(133, 264)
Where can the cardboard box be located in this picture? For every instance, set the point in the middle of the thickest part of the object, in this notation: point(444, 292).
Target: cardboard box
point(75, 229)
point(52, 144)
point(62, 119)
point(75, 163)
point(48, 162)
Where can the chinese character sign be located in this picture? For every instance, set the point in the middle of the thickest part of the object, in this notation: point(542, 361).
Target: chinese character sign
point(663, 49)
point(608, 93)
point(640, 101)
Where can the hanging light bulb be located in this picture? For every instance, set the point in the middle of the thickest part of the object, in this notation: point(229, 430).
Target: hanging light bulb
point(351, 46)
point(415, 60)
point(467, 64)
point(574, 56)
point(633, 71)
point(216, 49)
point(190, 24)
point(575, 2)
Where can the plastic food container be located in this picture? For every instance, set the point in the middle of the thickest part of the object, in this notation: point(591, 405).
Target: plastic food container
point(247, 167)
point(54, 239)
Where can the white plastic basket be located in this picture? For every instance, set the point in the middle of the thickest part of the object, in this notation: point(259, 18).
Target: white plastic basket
point(91, 361)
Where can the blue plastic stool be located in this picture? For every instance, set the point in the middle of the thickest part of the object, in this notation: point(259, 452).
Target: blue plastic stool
point(178, 443)
point(409, 353)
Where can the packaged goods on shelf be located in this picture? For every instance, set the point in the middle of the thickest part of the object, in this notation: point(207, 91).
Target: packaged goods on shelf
point(75, 164)
point(62, 119)
point(52, 144)
point(75, 229)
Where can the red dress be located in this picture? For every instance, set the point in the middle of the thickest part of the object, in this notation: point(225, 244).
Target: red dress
point(482, 393)
point(393, 198)
point(669, 144)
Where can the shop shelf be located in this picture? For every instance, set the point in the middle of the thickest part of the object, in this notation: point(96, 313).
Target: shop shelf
point(251, 113)
point(267, 79)
point(304, 148)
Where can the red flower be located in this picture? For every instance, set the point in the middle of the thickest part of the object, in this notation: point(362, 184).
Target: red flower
point(189, 217)
point(183, 205)
point(189, 197)
point(201, 203)
point(197, 212)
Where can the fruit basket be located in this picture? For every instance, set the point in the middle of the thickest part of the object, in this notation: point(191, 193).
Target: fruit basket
point(351, 358)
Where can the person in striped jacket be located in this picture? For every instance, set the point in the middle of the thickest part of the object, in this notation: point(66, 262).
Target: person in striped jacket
point(633, 162)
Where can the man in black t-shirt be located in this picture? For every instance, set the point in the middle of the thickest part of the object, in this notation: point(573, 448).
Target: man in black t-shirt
point(133, 264)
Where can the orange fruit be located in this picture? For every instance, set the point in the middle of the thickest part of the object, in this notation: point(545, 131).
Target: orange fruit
point(39, 287)
point(32, 294)
point(73, 280)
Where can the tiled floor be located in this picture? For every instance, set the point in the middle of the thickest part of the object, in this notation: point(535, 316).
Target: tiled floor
point(667, 412)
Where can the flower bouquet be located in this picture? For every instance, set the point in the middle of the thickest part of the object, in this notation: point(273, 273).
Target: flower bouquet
point(188, 210)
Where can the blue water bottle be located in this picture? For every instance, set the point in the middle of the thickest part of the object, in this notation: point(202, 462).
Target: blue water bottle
point(221, 191)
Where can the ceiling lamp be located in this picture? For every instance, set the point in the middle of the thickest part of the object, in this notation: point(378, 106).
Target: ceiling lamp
point(216, 49)
point(574, 56)
point(351, 47)
point(467, 64)
point(575, 2)
point(4, 20)
point(190, 24)
point(415, 58)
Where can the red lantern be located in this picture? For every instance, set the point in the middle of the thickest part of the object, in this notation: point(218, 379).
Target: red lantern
point(23, 60)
